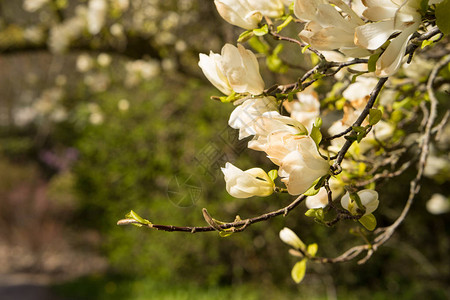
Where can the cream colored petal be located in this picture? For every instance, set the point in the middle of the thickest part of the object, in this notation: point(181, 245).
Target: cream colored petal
point(390, 60)
point(373, 35)
point(380, 13)
point(212, 71)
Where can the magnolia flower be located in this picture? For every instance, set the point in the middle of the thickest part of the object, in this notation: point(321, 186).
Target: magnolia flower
point(328, 28)
point(34, 5)
point(438, 204)
point(248, 13)
point(290, 238)
point(390, 17)
point(320, 200)
point(270, 128)
point(369, 198)
point(244, 116)
point(301, 167)
point(245, 184)
point(235, 69)
point(96, 15)
point(306, 109)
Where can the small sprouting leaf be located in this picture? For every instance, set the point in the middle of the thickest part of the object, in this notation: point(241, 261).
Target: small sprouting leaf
point(305, 48)
point(356, 199)
point(372, 63)
point(275, 64)
point(368, 221)
point(374, 116)
point(311, 213)
point(316, 135)
point(285, 23)
point(442, 19)
point(312, 190)
point(245, 36)
point(426, 43)
point(261, 31)
point(273, 174)
point(133, 215)
point(258, 45)
point(299, 270)
point(318, 122)
point(312, 249)
point(225, 233)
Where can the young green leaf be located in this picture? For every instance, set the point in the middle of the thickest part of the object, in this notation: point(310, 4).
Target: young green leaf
point(299, 270)
point(285, 23)
point(273, 174)
point(261, 31)
point(312, 249)
point(374, 116)
point(372, 64)
point(369, 222)
point(245, 36)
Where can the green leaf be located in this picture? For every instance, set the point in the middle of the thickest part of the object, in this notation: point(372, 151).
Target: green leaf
point(225, 233)
point(305, 48)
point(426, 43)
point(318, 122)
point(261, 31)
point(299, 270)
point(369, 222)
point(442, 18)
point(273, 174)
point(355, 197)
point(372, 64)
point(312, 249)
point(133, 215)
point(374, 116)
point(312, 190)
point(275, 64)
point(311, 212)
point(245, 36)
point(285, 23)
point(258, 45)
point(316, 135)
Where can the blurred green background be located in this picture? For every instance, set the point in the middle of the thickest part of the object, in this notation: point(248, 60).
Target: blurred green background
point(94, 123)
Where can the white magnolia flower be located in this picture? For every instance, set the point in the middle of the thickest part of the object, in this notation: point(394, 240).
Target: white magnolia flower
point(290, 238)
point(438, 204)
point(235, 69)
point(369, 198)
point(84, 63)
point(329, 28)
point(248, 13)
point(301, 167)
point(244, 116)
point(306, 109)
point(34, 5)
point(96, 15)
point(320, 200)
point(389, 17)
point(245, 184)
point(272, 126)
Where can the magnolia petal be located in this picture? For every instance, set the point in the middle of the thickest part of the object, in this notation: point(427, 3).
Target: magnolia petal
point(380, 13)
point(306, 10)
point(208, 64)
point(238, 13)
point(391, 59)
point(373, 35)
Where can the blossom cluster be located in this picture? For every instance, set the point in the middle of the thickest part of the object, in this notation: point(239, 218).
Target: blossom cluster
point(334, 25)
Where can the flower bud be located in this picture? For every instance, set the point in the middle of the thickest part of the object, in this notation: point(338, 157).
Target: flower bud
point(290, 238)
point(245, 184)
